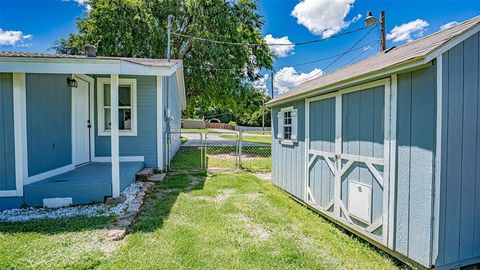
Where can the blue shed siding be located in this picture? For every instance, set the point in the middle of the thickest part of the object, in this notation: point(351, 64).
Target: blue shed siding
point(7, 143)
point(288, 170)
point(459, 232)
point(49, 122)
point(415, 163)
point(145, 143)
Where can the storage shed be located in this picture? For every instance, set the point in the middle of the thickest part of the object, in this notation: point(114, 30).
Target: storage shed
point(389, 147)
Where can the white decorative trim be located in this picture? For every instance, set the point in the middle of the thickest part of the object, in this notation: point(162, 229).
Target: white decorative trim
point(121, 159)
point(115, 139)
point(307, 146)
point(20, 131)
point(393, 160)
point(385, 185)
point(160, 162)
point(337, 199)
point(48, 174)
point(81, 66)
point(101, 113)
point(293, 125)
point(438, 160)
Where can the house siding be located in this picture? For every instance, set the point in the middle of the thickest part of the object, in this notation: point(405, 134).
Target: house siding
point(415, 156)
point(459, 230)
point(172, 102)
point(7, 143)
point(49, 122)
point(288, 170)
point(145, 143)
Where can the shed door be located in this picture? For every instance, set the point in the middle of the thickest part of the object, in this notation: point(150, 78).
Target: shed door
point(348, 142)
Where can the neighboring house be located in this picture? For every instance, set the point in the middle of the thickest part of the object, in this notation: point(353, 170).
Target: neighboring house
point(57, 140)
point(389, 147)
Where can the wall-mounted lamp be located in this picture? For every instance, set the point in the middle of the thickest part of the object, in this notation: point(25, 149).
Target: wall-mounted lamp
point(72, 82)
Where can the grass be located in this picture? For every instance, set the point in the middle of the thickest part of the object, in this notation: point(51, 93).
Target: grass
point(255, 139)
point(258, 132)
point(192, 130)
point(197, 221)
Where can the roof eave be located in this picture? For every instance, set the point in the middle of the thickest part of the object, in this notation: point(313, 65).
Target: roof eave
point(412, 64)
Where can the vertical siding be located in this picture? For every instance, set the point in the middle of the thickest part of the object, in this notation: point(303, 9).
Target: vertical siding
point(49, 133)
point(7, 143)
point(322, 138)
point(363, 134)
point(415, 155)
point(173, 103)
point(459, 232)
point(145, 143)
point(288, 168)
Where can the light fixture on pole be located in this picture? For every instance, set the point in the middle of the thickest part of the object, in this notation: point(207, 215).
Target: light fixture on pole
point(370, 20)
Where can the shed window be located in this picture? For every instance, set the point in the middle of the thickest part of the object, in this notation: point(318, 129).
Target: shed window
point(126, 107)
point(287, 125)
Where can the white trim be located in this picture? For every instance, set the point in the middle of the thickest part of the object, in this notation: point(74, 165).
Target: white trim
point(307, 146)
point(181, 88)
point(48, 174)
point(338, 150)
point(101, 112)
point(293, 135)
point(160, 162)
point(452, 43)
point(115, 139)
point(20, 131)
point(121, 159)
point(9, 193)
point(385, 185)
point(393, 160)
point(375, 75)
point(82, 66)
point(438, 160)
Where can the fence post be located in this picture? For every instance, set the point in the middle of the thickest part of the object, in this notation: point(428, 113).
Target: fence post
point(240, 139)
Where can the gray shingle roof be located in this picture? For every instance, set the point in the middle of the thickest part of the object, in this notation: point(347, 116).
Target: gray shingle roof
point(410, 51)
point(139, 61)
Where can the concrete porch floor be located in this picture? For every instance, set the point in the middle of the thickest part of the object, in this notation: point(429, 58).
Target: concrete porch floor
point(86, 184)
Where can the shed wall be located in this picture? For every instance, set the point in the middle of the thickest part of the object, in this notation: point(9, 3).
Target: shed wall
point(459, 230)
point(288, 170)
point(49, 122)
point(415, 163)
point(145, 143)
point(172, 102)
point(7, 143)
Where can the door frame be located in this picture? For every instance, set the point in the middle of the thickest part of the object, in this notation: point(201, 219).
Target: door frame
point(91, 83)
point(390, 114)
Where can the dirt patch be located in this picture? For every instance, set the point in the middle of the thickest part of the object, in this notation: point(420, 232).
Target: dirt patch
point(253, 196)
point(264, 176)
point(227, 193)
point(255, 229)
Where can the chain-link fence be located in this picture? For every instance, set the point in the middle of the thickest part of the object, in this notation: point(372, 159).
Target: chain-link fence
point(222, 150)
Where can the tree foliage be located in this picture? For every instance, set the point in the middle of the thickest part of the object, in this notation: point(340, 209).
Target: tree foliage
point(216, 75)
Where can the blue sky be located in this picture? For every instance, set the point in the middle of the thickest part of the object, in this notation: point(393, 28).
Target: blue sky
point(35, 25)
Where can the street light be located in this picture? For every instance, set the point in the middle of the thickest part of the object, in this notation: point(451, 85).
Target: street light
point(370, 20)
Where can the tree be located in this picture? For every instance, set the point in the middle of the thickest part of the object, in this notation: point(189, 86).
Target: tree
point(216, 75)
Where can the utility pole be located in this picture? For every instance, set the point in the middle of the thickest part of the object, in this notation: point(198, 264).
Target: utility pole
point(383, 35)
point(169, 29)
point(272, 74)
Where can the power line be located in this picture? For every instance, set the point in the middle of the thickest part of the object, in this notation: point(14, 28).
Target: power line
point(269, 44)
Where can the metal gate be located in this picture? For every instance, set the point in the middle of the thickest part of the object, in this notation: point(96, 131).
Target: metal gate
point(347, 157)
point(195, 151)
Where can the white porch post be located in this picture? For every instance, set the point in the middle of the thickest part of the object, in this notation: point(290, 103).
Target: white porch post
point(20, 130)
point(160, 147)
point(115, 148)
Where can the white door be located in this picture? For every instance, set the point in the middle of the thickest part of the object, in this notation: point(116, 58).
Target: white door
point(81, 123)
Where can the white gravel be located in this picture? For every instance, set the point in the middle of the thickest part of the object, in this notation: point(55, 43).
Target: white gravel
point(100, 209)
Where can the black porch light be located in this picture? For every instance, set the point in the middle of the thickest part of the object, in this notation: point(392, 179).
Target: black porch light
point(72, 82)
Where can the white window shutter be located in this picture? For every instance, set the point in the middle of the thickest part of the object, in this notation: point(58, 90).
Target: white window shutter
point(280, 125)
point(294, 125)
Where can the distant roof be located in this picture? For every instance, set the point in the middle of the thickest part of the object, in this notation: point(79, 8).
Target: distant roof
point(418, 49)
point(148, 62)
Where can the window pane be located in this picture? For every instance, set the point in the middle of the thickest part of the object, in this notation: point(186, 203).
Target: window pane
point(124, 96)
point(107, 123)
point(106, 95)
point(125, 119)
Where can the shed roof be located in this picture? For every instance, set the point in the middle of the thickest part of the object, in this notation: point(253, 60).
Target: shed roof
point(415, 50)
point(149, 62)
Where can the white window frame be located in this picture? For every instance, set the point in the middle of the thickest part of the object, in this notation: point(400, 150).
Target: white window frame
point(101, 82)
point(294, 126)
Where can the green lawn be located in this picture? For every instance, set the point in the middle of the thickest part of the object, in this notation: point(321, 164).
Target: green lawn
point(196, 221)
point(256, 139)
point(191, 130)
point(258, 132)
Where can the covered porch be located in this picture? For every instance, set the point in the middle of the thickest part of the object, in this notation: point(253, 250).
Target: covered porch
point(86, 184)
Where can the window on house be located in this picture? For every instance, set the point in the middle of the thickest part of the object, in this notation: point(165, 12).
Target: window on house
point(287, 125)
point(126, 107)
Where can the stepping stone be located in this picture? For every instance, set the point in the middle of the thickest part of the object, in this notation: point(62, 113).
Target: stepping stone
point(144, 174)
point(156, 178)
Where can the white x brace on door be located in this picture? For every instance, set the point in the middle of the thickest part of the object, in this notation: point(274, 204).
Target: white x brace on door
point(349, 138)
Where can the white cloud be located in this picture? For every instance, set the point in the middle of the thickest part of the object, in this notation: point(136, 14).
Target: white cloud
point(448, 25)
point(84, 3)
point(13, 38)
point(287, 78)
point(261, 83)
point(407, 31)
point(324, 17)
point(279, 50)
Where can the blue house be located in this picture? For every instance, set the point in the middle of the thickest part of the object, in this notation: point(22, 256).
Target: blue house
point(389, 147)
point(57, 137)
